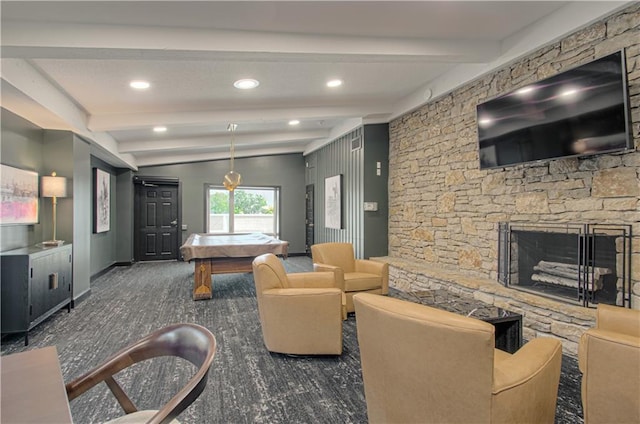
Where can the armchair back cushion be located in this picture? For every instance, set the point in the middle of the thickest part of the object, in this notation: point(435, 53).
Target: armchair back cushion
point(336, 254)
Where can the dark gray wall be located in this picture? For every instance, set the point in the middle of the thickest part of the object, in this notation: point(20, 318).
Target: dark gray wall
point(27, 146)
point(334, 159)
point(124, 216)
point(366, 230)
point(82, 222)
point(285, 171)
point(376, 150)
point(103, 245)
point(21, 147)
point(69, 155)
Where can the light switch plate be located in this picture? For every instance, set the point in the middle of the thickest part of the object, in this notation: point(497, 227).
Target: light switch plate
point(370, 206)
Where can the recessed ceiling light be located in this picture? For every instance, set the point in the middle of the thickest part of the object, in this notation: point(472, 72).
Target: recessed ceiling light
point(334, 83)
point(139, 84)
point(246, 84)
point(294, 122)
point(159, 129)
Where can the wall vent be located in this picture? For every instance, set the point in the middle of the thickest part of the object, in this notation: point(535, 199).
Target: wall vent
point(356, 143)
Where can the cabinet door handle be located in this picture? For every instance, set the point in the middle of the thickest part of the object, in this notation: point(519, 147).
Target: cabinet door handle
point(53, 281)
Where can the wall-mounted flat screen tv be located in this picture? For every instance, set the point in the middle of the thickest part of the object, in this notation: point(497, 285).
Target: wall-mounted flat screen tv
point(581, 111)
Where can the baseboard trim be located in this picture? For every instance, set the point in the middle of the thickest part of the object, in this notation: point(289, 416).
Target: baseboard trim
point(80, 298)
point(299, 254)
point(101, 273)
point(107, 269)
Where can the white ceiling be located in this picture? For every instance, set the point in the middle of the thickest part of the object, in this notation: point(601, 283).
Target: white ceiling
point(67, 65)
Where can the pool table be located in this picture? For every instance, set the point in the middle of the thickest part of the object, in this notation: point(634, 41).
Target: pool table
point(225, 254)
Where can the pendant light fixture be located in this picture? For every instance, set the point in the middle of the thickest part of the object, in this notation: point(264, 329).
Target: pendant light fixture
point(232, 179)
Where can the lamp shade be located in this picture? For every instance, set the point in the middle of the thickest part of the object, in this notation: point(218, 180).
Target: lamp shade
point(53, 186)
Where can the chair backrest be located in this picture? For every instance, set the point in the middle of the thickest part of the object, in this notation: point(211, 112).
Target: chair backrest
point(336, 254)
point(608, 355)
point(620, 320)
point(191, 342)
point(268, 273)
point(421, 364)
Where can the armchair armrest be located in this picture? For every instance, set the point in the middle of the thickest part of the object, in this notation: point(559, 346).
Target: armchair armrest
point(533, 358)
point(337, 272)
point(529, 378)
point(373, 267)
point(325, 279)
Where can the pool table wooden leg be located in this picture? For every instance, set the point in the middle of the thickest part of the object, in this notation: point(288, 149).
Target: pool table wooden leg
point(202, 280)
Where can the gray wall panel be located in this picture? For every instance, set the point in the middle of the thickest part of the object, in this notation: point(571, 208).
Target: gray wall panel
point(82, 218)
point(124, 216)
point(376, 150)
point(21, 147)
point(103, 245)
point(366, 230)
point(285, 171)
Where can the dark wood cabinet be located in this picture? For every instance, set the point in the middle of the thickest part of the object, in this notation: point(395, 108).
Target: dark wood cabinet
point(36, 282)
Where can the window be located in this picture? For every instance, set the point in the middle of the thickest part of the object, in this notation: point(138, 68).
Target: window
point(244, 210)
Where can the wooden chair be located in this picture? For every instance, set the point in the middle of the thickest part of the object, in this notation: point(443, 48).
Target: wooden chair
point(191, 342)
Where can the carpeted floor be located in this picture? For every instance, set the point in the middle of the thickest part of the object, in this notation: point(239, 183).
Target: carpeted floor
point(247, 384)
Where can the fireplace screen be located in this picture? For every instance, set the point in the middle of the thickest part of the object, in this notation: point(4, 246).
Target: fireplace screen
point(582, 264)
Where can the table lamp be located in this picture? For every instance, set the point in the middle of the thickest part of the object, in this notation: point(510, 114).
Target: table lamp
point(54, 187)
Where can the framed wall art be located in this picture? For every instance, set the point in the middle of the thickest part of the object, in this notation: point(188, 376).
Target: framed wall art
point(19, 191)
point(102, 201)
point(333, 202)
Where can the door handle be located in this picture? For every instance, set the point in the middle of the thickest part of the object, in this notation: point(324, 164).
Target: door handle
point(174, 222)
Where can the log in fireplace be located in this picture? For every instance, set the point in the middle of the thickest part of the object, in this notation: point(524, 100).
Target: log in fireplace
point(584, 264)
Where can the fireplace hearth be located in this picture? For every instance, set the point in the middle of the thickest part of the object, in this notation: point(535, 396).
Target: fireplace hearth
point(583, 264)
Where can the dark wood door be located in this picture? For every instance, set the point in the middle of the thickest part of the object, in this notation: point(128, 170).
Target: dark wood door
point(309, 219)
point(156, 221)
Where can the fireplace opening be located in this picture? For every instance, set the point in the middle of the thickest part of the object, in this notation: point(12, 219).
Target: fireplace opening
point(582, 264)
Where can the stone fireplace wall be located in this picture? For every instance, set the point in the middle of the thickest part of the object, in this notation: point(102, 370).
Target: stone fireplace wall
point(444, 211)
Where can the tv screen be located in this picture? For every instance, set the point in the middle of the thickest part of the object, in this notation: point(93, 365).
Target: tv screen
point(581, 111)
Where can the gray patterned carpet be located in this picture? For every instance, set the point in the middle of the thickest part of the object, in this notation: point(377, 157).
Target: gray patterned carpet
point(247, 384)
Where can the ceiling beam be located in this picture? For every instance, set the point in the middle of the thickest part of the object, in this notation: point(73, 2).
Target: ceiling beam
point(221, 140)
point(114, 122)
point(83, 41)
point(24, 78)
point(151, 160)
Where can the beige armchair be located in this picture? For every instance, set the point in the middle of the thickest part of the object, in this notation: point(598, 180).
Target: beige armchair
point(609, 359)
point(300, 313)
point(426, 365)
point(352, 275)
